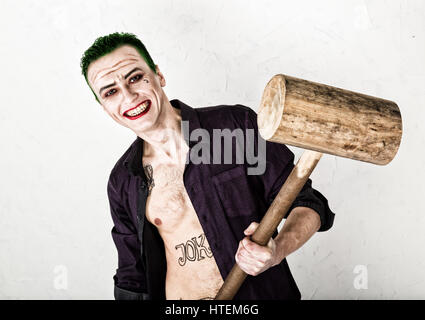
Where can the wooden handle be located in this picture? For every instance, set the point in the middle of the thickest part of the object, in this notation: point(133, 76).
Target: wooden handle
point(274, 215)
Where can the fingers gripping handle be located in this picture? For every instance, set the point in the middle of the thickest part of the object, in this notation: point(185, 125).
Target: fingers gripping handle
point(274, 215)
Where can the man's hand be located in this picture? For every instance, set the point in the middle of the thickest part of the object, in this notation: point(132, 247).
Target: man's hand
point(300, 225)
point(253, 258)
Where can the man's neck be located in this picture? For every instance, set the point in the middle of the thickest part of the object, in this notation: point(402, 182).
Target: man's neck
point(165, 142)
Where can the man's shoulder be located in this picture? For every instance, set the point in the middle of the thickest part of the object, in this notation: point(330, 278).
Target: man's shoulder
point(218, 111)
point(235, 115)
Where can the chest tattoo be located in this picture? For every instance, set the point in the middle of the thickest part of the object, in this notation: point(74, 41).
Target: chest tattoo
point(194, 249)
point(149, 175)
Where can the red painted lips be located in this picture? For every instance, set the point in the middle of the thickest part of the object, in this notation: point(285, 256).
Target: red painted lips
point(141, 114)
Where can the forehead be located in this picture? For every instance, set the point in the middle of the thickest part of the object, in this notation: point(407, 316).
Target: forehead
point(119, 59)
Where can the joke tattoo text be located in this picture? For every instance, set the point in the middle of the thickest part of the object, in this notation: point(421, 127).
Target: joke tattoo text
point(194, 250)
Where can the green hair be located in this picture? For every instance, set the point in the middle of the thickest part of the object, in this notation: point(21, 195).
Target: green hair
point(106, 44)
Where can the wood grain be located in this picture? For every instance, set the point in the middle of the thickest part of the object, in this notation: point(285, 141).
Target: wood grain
point(274, 215)
point(331, 120)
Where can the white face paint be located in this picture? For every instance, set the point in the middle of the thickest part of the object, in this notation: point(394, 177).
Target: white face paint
point(128, 89)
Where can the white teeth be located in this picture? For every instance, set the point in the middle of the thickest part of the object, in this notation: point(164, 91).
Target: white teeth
point(138, 110)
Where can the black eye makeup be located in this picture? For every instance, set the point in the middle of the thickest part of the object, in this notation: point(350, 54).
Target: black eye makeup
point(110, 93)
point(133, 79)
point(136, 78)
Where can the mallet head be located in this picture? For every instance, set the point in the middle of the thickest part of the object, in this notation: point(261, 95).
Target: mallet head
point(331, 120)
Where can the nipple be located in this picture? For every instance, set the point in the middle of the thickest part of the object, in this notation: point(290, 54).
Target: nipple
point(157, 221)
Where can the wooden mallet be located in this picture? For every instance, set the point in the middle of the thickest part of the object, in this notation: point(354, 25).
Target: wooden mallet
point(322, 119)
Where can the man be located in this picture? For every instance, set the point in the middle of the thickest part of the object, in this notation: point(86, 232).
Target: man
point(179, 226)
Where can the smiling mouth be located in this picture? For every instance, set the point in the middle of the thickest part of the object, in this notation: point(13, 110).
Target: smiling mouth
point(138, 111)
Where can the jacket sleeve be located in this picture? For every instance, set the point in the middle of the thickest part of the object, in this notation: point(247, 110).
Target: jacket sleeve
point(279, 163)
point(130, 279)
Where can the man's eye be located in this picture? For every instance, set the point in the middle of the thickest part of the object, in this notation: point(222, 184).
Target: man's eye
point(136, 78)
point(110, 92)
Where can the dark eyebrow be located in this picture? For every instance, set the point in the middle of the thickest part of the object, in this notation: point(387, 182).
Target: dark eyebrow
point(106, 87)
point(125, 77)
point(128, 74)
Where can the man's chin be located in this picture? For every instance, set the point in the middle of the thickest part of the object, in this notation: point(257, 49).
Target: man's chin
point(139, 127)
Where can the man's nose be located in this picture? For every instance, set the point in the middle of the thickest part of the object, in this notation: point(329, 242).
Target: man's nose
point(129, 95)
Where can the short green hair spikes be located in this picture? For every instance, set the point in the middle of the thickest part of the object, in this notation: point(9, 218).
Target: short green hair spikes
point(106, 44)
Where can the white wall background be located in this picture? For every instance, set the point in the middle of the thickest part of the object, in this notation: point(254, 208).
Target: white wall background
point(58, 146)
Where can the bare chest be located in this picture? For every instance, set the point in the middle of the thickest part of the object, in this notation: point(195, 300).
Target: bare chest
point(168, 203)
point(191, 268)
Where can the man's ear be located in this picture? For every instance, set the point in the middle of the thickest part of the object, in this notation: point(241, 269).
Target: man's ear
point(161, 76)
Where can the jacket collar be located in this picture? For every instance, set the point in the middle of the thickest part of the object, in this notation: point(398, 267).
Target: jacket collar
point(133, 159)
